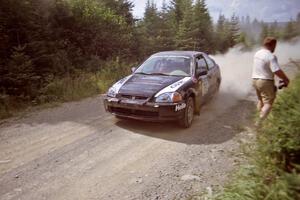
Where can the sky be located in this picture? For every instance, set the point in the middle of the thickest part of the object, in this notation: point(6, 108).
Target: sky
point(267, 10)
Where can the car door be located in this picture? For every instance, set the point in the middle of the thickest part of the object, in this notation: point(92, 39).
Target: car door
point(203, 82)
point(211, 74)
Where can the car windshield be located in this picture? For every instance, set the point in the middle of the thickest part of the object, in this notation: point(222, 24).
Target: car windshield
point(166, 65)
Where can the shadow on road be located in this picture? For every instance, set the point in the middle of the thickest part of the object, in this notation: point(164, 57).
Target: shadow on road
point(205, 129)
point(219, 121)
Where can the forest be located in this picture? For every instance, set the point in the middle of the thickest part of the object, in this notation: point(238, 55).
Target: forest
point(62, 50)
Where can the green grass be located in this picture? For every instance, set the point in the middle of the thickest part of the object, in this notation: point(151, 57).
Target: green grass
point(273, 170)
point(70, 88)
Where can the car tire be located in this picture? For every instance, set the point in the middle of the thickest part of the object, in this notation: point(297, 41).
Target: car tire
point(188, 115)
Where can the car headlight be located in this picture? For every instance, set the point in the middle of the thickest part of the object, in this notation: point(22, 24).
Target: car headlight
point(112, 92)
point(169, 97)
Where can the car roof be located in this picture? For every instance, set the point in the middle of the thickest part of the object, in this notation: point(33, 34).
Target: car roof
point(178, 53)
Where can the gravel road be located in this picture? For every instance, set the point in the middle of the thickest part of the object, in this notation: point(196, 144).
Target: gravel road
point(77, 151)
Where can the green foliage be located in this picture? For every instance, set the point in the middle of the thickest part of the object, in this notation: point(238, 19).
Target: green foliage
point(222, 32)
point(84, 84)
point(273, 172)
point(184, 37)
point(288, 32)
point(51, 50)
point(234, 30)
point(111, 72)
point(19, 78)
point(72, 87)
point(283, 143)
point(184, 25)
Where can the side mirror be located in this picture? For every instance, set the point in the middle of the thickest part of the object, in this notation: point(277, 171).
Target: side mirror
point(133, 69)
point(201, 71)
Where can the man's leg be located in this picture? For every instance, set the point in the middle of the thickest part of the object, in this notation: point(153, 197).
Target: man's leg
point(259, 105)
point(266, 94)
point(260, 102)
point(265, 110)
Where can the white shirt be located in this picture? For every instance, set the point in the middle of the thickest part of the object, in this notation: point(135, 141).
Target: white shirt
point(265, 64)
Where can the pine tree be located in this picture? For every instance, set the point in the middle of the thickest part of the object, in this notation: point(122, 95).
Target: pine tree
point(234, 31)
point(273, 30)
point(20, 79)
point(166, 35)
point(177, 10)
point(149, 29)
point(202, 27)
point(222, 31)
point(290, 30)
point(184, 36)
point(264, 33)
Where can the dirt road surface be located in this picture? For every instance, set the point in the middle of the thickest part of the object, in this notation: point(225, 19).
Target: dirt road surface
point(77, 151)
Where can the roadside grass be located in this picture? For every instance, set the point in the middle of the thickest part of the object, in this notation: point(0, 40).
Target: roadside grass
point(69, 88)
point(273, 168)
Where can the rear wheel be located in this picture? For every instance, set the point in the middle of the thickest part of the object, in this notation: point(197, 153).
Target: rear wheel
point(188, 115)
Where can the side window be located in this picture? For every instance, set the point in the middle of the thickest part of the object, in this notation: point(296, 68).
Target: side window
point(201, 62)
point(210, 62)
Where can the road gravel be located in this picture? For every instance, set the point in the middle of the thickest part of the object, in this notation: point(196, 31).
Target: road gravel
point(78, 151)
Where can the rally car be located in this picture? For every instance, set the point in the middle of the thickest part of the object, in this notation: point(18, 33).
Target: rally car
point(167, 86)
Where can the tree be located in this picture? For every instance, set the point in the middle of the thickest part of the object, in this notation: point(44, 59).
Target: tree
point(19, 78)
point(273, 30)
point(202, 28)
point(222, 31)
point(177, 10)
point(184, 38)
point(57, 38)
point(234, 31)
point(290, 30)
point(166, 36)
point(264, 33)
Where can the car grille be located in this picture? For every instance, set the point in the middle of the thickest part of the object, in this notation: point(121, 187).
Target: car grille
point(124, 96)
point(142, 113)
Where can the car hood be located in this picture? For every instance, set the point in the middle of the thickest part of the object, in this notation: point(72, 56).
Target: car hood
point(146, 85)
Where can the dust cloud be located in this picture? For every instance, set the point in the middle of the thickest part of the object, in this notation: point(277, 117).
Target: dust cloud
point(236, 71)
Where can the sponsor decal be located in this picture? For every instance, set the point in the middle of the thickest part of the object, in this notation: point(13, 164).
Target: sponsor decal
point(173, 87)
point(179, 83)
point(180, 107)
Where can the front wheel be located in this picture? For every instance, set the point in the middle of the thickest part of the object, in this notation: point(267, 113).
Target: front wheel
point(188, 115)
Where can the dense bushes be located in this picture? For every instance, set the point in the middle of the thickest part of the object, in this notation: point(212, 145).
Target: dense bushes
point(274, 169)
point(71, 87)
point(61, 50)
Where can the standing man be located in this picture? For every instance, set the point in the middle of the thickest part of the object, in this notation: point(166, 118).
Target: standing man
point(264, 68)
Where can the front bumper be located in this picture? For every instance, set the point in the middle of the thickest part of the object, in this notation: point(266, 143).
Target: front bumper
point(143, 110)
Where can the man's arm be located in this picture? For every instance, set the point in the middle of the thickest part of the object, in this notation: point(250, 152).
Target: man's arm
point(282, 76)
point(277, 70)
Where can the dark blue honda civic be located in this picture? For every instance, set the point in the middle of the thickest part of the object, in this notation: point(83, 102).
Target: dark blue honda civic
point(168, 86)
